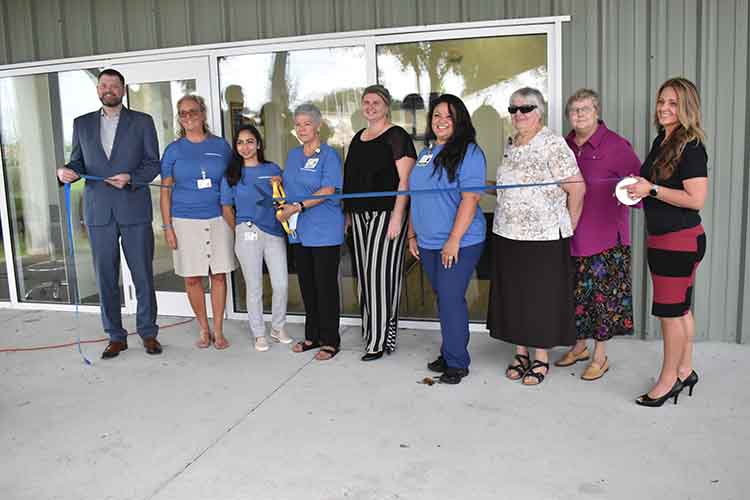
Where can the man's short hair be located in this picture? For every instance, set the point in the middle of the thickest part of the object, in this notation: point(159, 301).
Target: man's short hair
point(111, 72)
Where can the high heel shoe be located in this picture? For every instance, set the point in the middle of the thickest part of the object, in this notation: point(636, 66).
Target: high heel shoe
point(690, 382)
point(674, 392)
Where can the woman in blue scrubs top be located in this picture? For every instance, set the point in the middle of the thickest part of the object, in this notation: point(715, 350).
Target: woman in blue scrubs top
point(315, 169)
point(447, 229)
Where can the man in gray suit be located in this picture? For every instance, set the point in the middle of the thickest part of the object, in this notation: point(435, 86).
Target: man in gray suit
point(119, 145)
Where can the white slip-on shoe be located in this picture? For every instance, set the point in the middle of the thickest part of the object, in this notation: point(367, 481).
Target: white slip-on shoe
point(281, 336)
point(261, 344)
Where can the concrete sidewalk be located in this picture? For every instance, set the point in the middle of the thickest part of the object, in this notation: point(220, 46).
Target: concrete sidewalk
point(237, 424)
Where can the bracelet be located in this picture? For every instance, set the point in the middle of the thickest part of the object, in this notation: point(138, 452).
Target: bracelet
point(301, 206)
point(166, 226)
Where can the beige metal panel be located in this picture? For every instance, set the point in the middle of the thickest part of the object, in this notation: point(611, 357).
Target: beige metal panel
point(108, 26)
point(77, 21)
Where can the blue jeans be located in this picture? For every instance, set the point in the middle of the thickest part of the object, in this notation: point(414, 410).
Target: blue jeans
point(450, 287)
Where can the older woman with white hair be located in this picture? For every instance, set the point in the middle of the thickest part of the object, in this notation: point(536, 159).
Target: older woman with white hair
point(315, 169)
point(531, 294)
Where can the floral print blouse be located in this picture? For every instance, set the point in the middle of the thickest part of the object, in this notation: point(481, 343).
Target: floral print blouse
point(537, 213)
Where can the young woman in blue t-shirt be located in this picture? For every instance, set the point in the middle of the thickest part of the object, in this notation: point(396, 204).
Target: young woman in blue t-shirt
point(258, 236)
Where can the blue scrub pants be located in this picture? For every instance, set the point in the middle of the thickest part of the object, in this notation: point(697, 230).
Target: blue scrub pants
point(450, 287)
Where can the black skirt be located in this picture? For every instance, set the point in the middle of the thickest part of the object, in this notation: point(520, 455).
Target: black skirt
point(531, 293)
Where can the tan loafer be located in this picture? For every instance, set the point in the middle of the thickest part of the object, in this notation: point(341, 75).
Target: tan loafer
point(572, 358)
point(594, 371)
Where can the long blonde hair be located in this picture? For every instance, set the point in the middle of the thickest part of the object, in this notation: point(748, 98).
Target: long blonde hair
point(201, 104)
point(688, 130)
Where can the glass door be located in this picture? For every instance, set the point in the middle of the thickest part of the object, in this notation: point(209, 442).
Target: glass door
point(154, 88)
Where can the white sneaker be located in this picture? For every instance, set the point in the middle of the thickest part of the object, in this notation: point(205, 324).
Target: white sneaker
point(261, 344)
point(281, 336)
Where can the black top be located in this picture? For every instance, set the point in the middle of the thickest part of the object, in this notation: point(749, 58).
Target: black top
point(665, 218)
point(371, 166)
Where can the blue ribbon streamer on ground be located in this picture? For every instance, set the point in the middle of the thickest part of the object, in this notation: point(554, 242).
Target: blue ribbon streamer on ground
point(71, 248)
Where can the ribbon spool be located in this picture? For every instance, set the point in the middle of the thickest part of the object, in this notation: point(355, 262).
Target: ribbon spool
point(622, 194)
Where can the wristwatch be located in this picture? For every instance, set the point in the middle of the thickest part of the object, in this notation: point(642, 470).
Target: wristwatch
point(653, 191)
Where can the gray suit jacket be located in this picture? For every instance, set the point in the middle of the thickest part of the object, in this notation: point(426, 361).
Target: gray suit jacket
point(135, 151)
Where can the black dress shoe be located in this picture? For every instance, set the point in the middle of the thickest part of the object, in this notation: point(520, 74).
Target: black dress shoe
point(372, 356)
point(438, 365)
point(113, 349)
point(453, 375)
point(152, 345)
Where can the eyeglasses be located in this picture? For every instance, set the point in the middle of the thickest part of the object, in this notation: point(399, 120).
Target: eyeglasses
point(525, 109)
point(189, 113)
point(583, 110)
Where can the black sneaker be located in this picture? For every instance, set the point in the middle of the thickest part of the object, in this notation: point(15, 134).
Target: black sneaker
point(453, 375)
point(438, 365)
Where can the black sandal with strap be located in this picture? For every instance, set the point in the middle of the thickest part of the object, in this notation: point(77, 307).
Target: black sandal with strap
point(538, 376)
point(521, 368)
point(330, 350)
point(304, 346)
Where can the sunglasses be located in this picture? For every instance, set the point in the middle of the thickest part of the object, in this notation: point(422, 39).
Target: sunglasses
point(525, 109)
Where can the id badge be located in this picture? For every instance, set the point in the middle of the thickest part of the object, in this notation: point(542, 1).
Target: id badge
point(311, 163)
point(424, 160)
point(204, 183)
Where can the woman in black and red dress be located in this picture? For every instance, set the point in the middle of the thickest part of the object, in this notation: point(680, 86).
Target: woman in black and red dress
point(674, 185)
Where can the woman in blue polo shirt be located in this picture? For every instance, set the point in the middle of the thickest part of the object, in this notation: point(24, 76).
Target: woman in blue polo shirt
point(315, 169)
point(447, 229)
point(258, 236)
point(200, 239)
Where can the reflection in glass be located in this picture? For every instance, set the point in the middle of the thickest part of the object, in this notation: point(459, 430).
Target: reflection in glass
point(159, 99)
point(483, 72)
point(264, 89)
point(4, 285)
point(27, 129)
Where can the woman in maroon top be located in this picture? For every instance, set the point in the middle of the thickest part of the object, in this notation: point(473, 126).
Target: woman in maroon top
point(601, 244)
point(674, 185)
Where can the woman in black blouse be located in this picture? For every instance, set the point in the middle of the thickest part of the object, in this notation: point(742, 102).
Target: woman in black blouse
point(674, 185)
point(380, 158)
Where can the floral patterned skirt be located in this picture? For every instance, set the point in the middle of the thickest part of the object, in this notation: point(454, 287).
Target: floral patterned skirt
point(603, 297)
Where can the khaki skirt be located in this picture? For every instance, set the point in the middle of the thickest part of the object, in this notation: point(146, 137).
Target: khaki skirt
point(203, 246)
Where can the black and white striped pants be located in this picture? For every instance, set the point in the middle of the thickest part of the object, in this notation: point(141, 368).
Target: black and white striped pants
point(380, 263)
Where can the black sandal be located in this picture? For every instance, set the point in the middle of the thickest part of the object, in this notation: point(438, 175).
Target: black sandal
point(521, 368)
point(331, 351)
point(538, 376)
point(304, 346)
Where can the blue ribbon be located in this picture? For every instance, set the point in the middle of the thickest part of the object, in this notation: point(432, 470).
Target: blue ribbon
point(267, 201)
point(71, 250)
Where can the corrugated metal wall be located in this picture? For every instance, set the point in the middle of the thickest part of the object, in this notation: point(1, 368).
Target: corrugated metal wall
point(622, 48)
